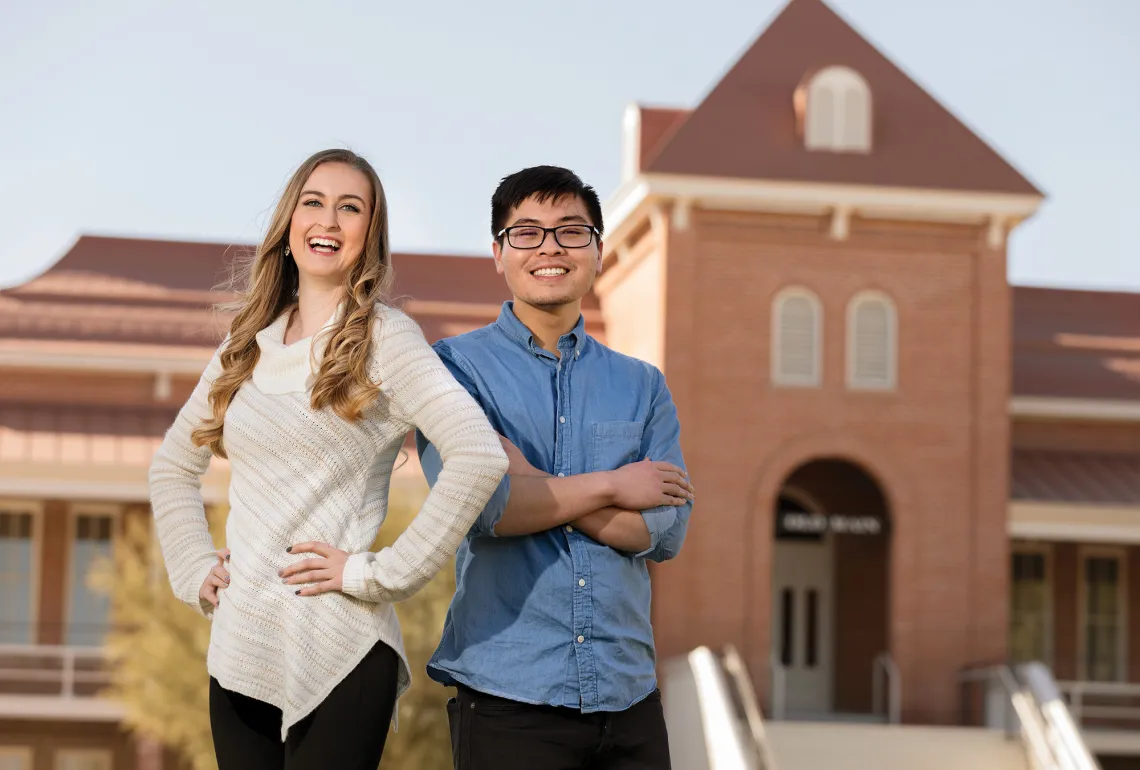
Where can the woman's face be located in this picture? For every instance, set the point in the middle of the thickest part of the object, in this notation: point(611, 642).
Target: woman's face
point(330, 224)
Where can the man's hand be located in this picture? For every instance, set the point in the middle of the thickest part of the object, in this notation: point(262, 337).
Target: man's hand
point(519, 465)
point(647, 484)
point(326, 572)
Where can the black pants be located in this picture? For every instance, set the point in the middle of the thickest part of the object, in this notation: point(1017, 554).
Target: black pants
point(489, 733)
point(346, 732)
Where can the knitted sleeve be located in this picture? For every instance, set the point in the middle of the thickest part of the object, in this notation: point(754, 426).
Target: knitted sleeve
point(176, 497)
point(423, 394)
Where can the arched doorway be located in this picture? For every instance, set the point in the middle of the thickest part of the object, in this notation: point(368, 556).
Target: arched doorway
point(829, 588)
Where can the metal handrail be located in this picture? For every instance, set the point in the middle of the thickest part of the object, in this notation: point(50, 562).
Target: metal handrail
point(67, 673)
point(1003, 675)
point(779, 687)
point(736, 669)
point(1029, 724)
point(1060, 728)
point(890, 670)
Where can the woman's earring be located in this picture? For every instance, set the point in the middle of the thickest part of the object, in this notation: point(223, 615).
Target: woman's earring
point(287, 252)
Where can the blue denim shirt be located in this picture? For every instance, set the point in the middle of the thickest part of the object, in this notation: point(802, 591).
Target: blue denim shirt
point(556, 618)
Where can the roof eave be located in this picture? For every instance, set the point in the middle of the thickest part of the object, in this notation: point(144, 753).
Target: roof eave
point(999, 211)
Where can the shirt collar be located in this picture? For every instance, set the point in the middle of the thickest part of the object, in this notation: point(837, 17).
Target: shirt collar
point(510, 325)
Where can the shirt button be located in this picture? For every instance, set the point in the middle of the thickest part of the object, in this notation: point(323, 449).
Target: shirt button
point(569, 528)
point(581, 639)
point(581, 582)
point(577, 353)
point(561, 475)
point(562, 419)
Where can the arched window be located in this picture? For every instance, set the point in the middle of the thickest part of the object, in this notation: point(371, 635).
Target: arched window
point(872, 342)
point(835, 111)
point(797, 338)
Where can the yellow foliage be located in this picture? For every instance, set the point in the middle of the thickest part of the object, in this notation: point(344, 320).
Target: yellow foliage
point(157, 647)
point(157, 651)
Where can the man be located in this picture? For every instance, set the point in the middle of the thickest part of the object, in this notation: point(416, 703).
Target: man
point(548, 639)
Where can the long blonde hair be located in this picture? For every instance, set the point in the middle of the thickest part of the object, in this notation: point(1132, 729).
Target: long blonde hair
point(267, 287)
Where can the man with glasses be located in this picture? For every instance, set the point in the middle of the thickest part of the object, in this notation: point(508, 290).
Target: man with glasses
point(548, 640)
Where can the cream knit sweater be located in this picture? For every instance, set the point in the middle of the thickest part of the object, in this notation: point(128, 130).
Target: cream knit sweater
point(299, 475)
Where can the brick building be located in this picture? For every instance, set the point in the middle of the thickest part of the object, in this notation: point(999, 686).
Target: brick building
point(906, 467)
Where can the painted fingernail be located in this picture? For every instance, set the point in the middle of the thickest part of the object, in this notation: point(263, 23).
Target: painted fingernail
point(227, 557)
point(289, 549)
point(298, 592)
point(227, 578)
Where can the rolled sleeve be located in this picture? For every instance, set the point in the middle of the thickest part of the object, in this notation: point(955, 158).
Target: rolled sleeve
point(658, 521)
point(661, 440)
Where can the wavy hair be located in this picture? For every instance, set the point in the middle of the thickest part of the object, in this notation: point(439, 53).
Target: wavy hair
point(266, 285)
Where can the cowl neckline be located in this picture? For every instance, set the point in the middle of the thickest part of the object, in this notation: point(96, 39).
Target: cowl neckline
point(291, 368)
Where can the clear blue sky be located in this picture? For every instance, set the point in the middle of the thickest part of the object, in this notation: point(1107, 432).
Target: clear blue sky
point(183, 120)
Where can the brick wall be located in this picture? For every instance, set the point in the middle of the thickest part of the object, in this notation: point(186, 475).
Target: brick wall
point(937, 445)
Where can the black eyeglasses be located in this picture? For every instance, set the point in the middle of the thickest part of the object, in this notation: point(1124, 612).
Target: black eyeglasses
point(533, 236)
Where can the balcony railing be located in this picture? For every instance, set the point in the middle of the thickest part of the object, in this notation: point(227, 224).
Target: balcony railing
point(43, 681)
point(1103, 704)
point(57, 670)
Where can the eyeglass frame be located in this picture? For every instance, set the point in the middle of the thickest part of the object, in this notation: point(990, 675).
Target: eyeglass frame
point(506, 234)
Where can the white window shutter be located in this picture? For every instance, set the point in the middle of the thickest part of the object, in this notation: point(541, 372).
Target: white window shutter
point(871, 343)
point(796, 329)
point(838, 111)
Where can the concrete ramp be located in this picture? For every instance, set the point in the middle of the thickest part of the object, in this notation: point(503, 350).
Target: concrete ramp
point(845, 746)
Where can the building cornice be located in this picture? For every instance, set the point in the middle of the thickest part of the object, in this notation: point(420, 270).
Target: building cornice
point(997, 212)
point(1084, 409)
point(1074, 522)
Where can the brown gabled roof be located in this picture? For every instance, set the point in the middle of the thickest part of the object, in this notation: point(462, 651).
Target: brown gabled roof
point(1075, 477)
point(746, 126)
point(657, 127)
point(1076, 344)
point(160, 292)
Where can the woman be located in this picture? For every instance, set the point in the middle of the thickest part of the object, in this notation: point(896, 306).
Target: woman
point(310, 396)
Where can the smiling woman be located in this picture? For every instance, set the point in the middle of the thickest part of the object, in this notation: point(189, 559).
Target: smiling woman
point(311, 396)
point(329, 227)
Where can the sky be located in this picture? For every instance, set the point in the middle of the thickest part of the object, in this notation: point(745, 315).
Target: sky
point(184, 120)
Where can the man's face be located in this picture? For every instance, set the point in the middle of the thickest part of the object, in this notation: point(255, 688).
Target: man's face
point(549, 274)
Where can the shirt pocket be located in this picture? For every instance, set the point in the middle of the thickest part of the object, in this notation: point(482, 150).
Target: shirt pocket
point(614, 444)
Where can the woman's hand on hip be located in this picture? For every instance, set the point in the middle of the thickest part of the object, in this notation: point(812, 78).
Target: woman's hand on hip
point(325, 573)
point(216, 580)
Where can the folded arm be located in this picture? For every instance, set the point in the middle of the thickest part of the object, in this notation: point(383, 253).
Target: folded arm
point(603, 504)
point(608, 524)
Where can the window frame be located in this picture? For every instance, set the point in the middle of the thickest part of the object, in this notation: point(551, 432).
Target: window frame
point(26, 753)
point(780, 378)
point(1046, 551)
point(101, 510)
point(106, 756)
point(36, 509)
point(837, 83)
point(853, 382)
point(1084, 552)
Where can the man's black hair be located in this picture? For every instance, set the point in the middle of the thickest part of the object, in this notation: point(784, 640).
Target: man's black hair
point(544, 183)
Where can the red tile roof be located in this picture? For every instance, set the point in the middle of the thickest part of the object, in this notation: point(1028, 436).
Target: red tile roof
point(1075, 477)
point(746, 126)
point(1066, 343)
point(160, 292)
point(1076, 344)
